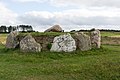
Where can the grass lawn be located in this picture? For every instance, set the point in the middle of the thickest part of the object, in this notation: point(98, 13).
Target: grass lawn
point(110, 34)
point(100, 64)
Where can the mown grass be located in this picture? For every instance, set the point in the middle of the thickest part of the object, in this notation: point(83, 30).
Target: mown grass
point(99, 64)
point(96, 64)
point(109, 34)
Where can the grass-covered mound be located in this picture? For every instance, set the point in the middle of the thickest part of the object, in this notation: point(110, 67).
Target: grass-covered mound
point(43, 33)
point(100, 64)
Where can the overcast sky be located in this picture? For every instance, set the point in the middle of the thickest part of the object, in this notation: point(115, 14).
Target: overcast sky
point(68, 13)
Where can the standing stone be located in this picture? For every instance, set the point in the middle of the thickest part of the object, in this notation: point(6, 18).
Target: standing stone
point(83, 41)
point(11, 41)
point(63, 43)
point(95, 38)
point(28, 44)
point(55, 28)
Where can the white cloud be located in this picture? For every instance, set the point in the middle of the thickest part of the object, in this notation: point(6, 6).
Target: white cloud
point(81, 3)
point(89, 16)
point(75, 16)
point(36, 18)
point(23, 1)
point(91, 12)
point(7, 17)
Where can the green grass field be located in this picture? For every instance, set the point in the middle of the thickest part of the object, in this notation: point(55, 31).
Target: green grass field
point(99, 64)
point(110, 34)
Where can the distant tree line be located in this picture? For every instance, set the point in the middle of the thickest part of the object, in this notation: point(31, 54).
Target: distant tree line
point(106, 30)
point(21, 28)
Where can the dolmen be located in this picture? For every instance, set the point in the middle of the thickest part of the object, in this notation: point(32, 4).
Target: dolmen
point(62, 43)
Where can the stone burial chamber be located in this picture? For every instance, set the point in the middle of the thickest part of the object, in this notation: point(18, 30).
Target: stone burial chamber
point(65, 42)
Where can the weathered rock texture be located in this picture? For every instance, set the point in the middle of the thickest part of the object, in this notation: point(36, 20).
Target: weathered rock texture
point(95, 38)
point(28, 44)
point(83, 41)
point(80, 40)
point(11, 41)
point(43, 40)
point(55, 28)
point(63, 43)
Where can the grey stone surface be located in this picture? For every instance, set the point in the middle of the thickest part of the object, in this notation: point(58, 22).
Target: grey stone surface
point(55, 28)
point(95, 38)
point(28, 44)
point(63, 43)
point(83, 41)
point(11, 41)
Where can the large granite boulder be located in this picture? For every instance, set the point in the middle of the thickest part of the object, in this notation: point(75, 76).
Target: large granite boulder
point(63, 43)
point(95, 38)
point(28, 44)
point(55, 28)
point(11, 41)
point(83, 41)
